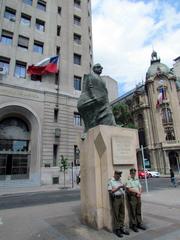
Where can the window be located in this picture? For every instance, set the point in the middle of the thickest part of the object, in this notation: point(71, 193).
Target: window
point(28, 2)
point(20, 70)
point(36, 77)
point(77, 38)
point(77, 119)
point(58, 30)
point(55, 154)
point(38, 47)
point(77, 20)
point(6, 37)
point(90, 67)
point(90, 48)
point(10, 14)
point(41, 5)
point(77, 3)
point(40, 25)
point(166, 116)
point(170, 136)
point(89, 30)
point(25, 20)
point(76, 155)
point(59, 10)
point(16, 161)
point(56, 111)
point(23, 42)
point(77, 83)
point(58, 50)
point(77, 59)
point(4, 63)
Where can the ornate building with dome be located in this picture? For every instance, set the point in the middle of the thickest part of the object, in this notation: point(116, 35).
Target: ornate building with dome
point(156, 113)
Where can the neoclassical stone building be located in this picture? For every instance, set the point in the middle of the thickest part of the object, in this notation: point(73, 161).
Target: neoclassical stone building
point(39, 121)
point(155, 106)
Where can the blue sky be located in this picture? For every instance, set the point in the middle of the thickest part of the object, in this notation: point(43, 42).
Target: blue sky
point(126, 31)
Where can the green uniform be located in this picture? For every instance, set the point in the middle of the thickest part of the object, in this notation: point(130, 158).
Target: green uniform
point(118, 206)
point(134, 201)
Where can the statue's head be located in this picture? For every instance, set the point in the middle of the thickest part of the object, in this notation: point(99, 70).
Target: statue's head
point(97, 68)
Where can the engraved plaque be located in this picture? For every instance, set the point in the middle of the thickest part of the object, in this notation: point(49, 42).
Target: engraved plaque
point(123, 150)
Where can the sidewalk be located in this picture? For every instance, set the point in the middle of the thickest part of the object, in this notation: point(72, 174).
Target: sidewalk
point(42, 188)
point(161, 214)
point(61, 221)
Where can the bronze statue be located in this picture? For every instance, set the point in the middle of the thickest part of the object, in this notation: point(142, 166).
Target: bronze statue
point(93, 104)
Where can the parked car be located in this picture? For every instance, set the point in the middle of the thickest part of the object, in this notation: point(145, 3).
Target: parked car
point(142, 174)
point(153, 173)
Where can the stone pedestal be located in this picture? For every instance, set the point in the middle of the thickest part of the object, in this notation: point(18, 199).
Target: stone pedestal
point(105, 149)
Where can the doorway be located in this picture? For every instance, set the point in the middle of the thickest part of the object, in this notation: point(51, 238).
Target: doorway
point(9, 165)
point(174, 161)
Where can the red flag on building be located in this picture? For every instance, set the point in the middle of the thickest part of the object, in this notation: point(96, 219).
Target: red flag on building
point(46, 66)
point(161, 97)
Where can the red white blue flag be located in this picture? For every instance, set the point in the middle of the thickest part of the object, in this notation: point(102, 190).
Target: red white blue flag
point(161, 97)
point(46, 66)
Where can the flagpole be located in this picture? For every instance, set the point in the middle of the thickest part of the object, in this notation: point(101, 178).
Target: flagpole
point(58, 88)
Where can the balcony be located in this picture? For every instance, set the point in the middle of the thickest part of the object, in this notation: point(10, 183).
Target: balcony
point(139, 106)
point(171, 144)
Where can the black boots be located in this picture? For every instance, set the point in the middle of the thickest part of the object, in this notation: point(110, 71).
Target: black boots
point(123, 231)
point(118, 233)
point(134, 228)
point(141, 226)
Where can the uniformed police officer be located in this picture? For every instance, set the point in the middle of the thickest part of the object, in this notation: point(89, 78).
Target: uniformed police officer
point(134, 190)
point(116, 190)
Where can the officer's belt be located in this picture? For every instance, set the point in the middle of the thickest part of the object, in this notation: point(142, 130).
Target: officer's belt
point(118, 196)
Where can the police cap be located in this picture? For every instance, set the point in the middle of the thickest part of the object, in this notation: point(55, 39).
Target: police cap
point(118, 172)
point(132, 170)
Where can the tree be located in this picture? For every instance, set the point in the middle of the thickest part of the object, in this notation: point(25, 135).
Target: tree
point(64, 166)
point(123, 116)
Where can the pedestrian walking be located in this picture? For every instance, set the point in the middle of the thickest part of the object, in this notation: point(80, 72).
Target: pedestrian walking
point(116, 191)
point(173, 178)
point(134, 190)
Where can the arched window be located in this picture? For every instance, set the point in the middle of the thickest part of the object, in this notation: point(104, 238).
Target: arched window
point(14, 148)
point(140, 121)
point(14, 135)
point(166, 116)
point(141, 132)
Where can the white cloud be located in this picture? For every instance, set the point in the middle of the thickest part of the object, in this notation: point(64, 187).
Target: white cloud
point(124, 33)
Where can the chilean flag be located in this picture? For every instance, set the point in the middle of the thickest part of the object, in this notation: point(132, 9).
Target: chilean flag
point(46, 66)
point(161, 97)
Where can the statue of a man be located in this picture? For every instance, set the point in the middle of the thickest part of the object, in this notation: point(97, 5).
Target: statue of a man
point(93, 104)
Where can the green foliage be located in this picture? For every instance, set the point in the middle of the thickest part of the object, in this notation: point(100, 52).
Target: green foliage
point(63, 163)
point(123, 116)
point(64, 167)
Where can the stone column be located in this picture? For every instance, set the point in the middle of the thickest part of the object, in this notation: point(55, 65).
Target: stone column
point(166, 161)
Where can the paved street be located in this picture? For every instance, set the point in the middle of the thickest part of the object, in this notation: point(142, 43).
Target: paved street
point(58, 195)
point(55, 215)
point(37, 198)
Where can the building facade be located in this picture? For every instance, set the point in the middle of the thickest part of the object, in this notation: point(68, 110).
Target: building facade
point(39, 121)
point(155, 106)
